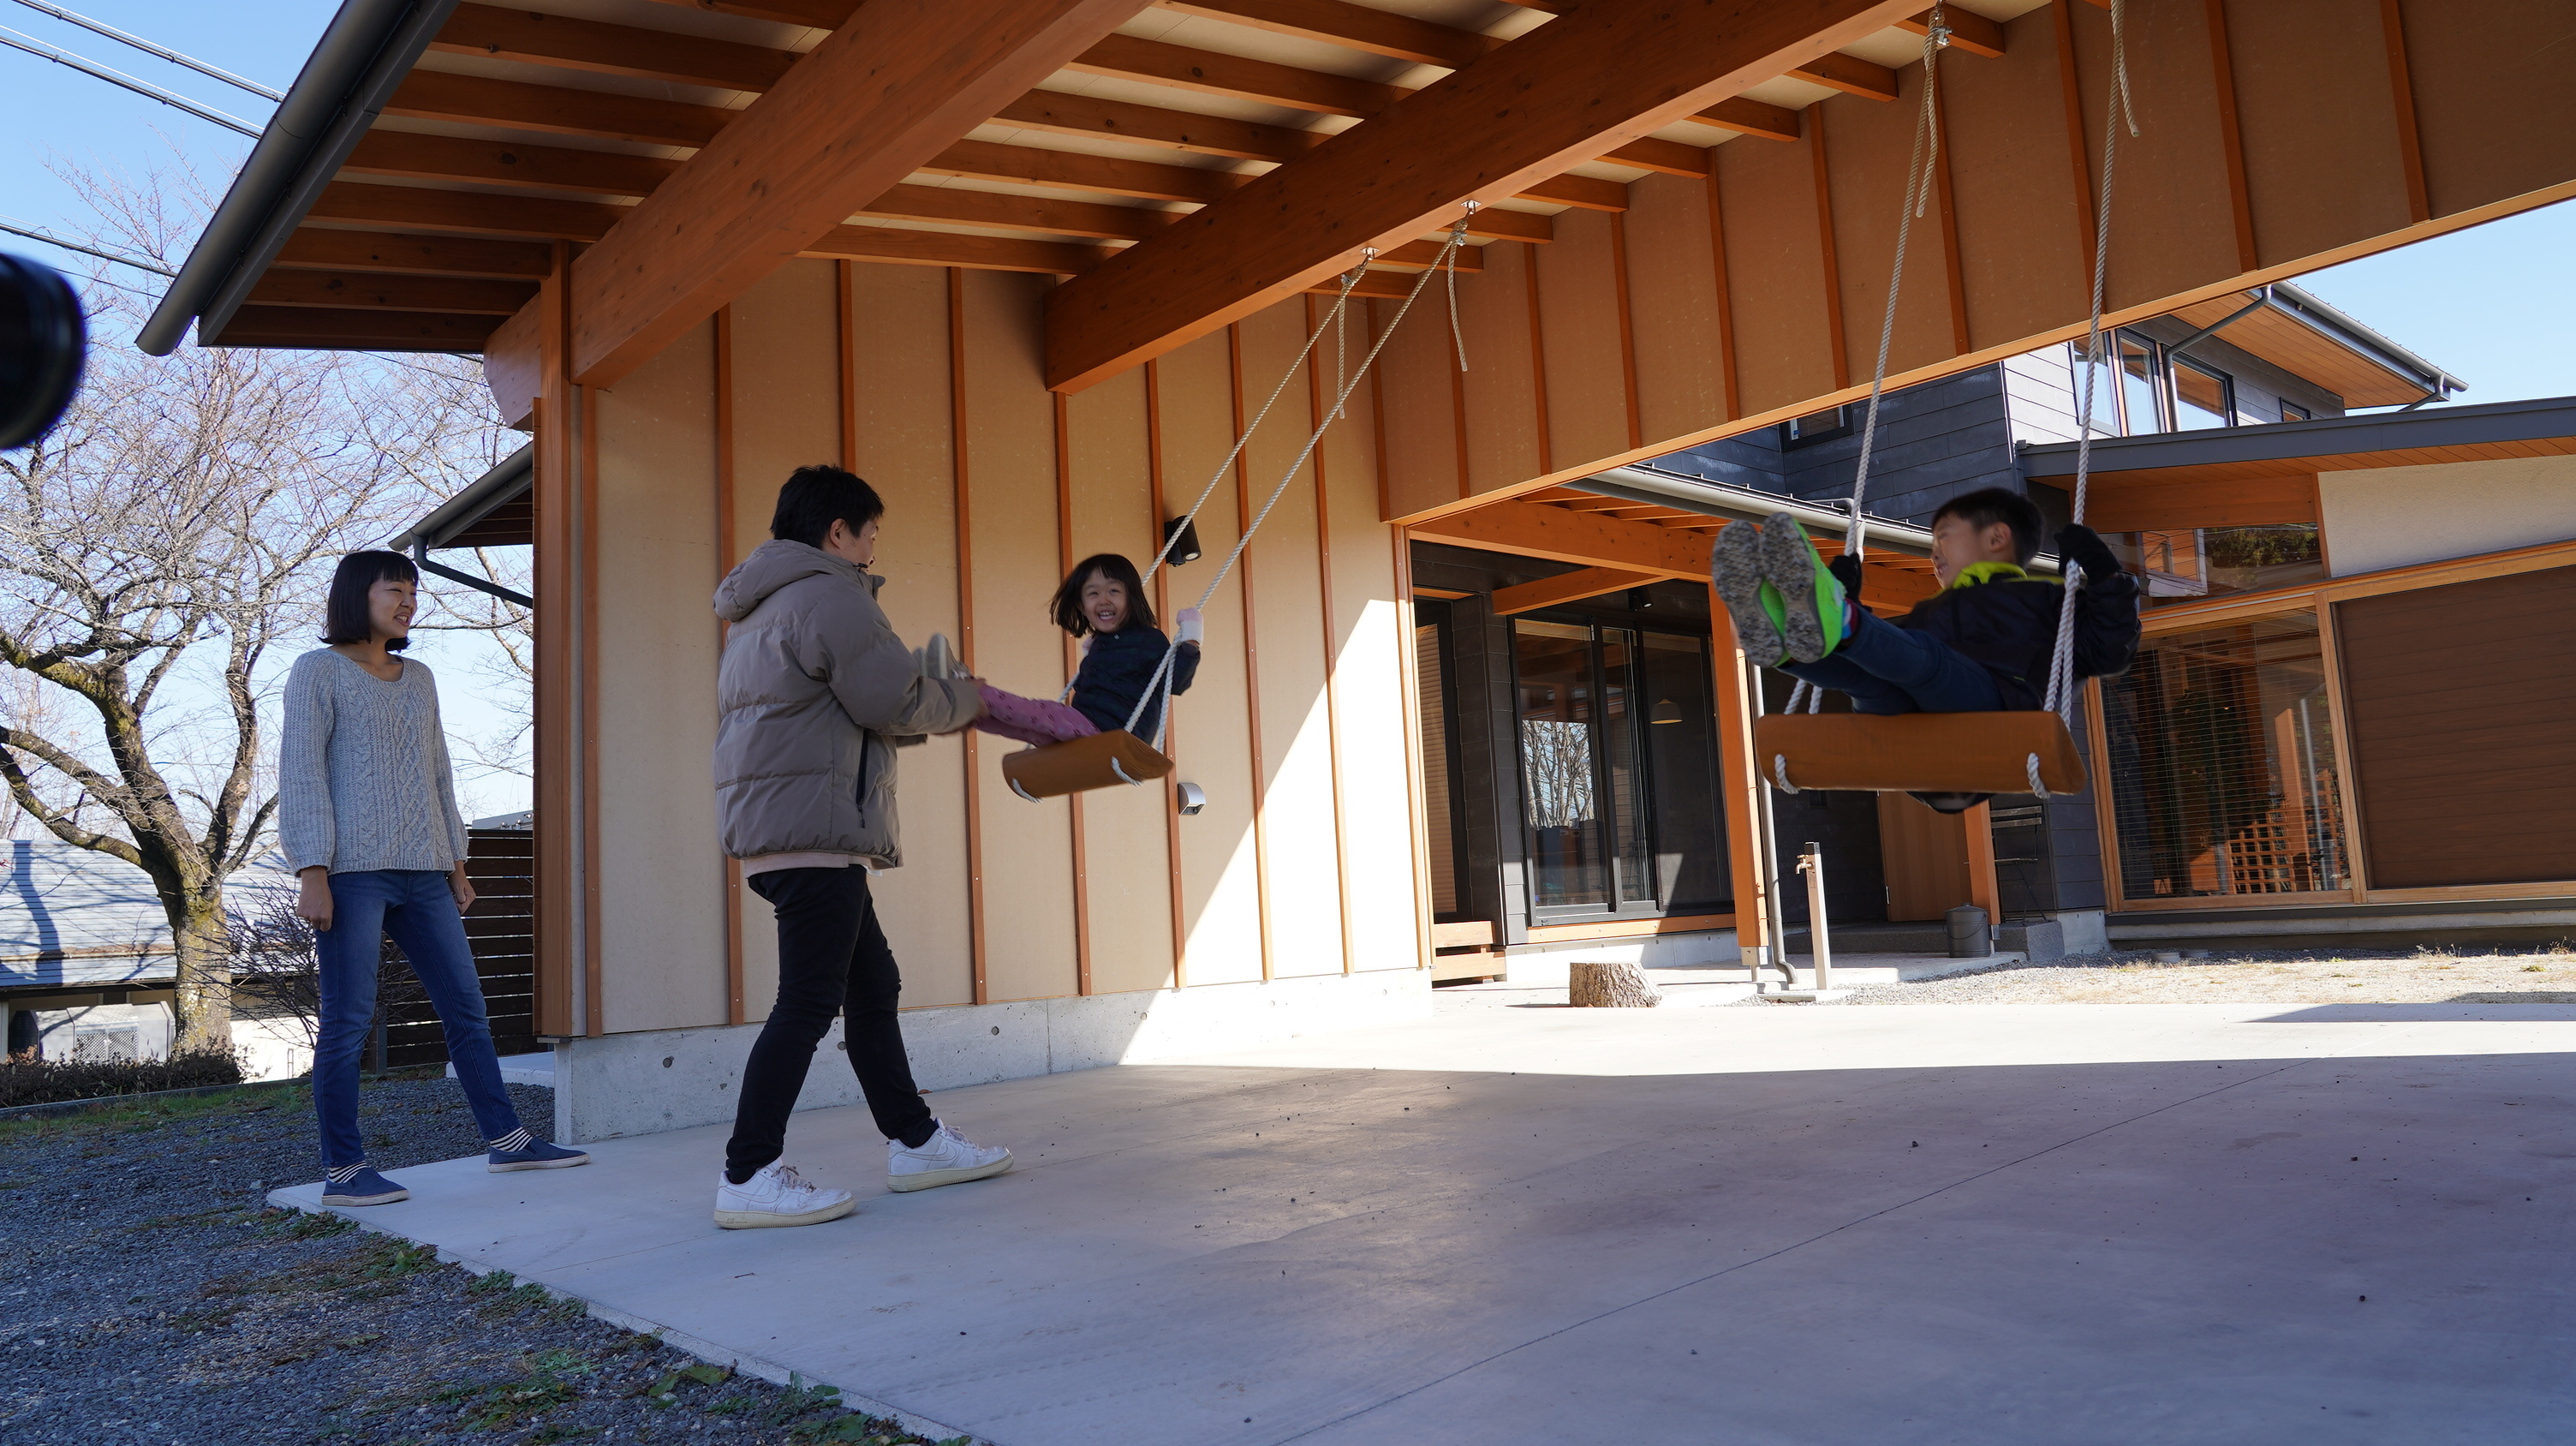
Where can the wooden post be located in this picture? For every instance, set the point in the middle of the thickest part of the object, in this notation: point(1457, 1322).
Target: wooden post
point(1740, 787)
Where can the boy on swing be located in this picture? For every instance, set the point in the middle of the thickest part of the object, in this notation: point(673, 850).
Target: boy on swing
point(1980, 645)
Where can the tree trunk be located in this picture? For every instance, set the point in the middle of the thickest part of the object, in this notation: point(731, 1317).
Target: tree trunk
point(201, 942)
point(1599, 984)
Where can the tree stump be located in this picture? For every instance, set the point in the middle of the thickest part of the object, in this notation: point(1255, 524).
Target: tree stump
point(1604, 984)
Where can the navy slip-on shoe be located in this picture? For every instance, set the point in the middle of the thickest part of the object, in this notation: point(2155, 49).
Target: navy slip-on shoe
point(362, 1187)
point(535, 1155)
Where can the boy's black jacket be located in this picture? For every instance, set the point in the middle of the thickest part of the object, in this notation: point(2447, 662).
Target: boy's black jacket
point(2011, 626)
point(1115, 670)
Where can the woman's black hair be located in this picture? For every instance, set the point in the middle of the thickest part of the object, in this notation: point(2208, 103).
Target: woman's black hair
point(1987, 506)
point(1067, 605)
point(818, 496)
point(345, 618)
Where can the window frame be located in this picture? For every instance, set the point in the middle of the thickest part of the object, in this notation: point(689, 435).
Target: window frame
point(1605, 823)
point(2173, 390)
point(1791, 439)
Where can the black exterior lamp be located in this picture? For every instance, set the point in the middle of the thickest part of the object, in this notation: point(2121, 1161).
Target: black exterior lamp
point(1187, 548)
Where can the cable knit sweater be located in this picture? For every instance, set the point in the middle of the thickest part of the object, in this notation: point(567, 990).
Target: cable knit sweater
point(363, 780)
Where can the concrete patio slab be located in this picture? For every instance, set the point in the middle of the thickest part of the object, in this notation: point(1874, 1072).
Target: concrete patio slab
point(1989, 1224)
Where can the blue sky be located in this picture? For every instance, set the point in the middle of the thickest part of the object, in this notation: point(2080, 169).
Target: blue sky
point(2491, 304)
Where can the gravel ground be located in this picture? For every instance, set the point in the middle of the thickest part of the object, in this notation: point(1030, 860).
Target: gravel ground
point(2256, 977)
point(147, 1296)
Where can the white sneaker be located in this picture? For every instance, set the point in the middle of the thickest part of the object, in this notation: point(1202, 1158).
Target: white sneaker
point(777, 1195)
point(946, 1158)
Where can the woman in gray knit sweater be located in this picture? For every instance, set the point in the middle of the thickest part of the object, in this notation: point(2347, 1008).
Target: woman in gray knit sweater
point(367, 818)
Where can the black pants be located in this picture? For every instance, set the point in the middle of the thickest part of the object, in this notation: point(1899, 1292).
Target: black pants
point(832, 959)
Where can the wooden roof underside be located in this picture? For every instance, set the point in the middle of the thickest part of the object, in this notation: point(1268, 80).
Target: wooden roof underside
point(525, 127)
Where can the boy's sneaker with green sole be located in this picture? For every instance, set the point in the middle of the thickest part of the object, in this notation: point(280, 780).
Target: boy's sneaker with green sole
point(1735, 571)
point(1810, 597)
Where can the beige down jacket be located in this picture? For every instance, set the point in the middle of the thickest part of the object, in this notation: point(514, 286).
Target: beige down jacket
point(813, 693)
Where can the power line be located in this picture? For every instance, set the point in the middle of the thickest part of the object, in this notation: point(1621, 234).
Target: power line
point(28, 43)
point(38, 233)
point(147, 47)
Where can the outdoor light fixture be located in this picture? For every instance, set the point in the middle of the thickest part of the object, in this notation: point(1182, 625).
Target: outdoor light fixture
point(1193, 798)
point(1666, 711)
point(1185, 550)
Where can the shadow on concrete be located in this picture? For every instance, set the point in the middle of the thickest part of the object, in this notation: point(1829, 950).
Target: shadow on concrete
point(2465, 1008)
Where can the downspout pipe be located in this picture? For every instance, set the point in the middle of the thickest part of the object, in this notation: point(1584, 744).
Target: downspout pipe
point(366, 51)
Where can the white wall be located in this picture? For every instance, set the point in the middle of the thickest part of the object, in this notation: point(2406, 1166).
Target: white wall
point(2399, 516)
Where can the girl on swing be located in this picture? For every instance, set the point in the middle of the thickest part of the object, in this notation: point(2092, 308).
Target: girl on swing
point(1103, 598)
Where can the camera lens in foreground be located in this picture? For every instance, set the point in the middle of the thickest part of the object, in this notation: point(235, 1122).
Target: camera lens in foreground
point(42, 337)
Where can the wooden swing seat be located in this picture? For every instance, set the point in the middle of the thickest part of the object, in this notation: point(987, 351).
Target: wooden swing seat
point(1918, 752)
point(1080, 764)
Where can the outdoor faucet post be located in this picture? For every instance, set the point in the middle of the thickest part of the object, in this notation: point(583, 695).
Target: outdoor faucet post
point(1812, 864)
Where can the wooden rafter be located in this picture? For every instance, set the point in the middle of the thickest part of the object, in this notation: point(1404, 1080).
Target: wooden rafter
point(381, 292)
point(869, 106)
point(317, 249)
point(607, 49)
point(1612, 71)
point(355, 329)
point(519, 105)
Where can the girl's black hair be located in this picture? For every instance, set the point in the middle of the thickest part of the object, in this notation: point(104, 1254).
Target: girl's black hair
point(345, 618)
point(1067, 605)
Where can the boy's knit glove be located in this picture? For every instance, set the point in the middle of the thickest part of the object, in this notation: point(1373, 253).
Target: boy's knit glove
point(1193, 625)
point(2082, 546)
point(1846, 570)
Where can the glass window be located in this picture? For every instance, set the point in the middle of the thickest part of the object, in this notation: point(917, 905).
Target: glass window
point(2203, 396)
point(1559, 768)
point(2224, 775)
point(1439, 759)
point(2141, 399)
point(1815, 427)
point(2293, 412)
point(1618, 793)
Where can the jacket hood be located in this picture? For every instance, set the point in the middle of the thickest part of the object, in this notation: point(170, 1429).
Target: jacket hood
point(773, 565)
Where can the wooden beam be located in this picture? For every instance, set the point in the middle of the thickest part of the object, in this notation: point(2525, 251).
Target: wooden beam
point(1671, 158)
point(311, 247)
point(1586, 192)
point(536, 38)
point(2156, 506)
point(1969, 31)
point(1550, 592)
point(900, 81)
point(820, 14)
point(481, 100)
point(355, 329)
point(960, 207)
point(940, 248)
point(506, 163)
point(1751, 118)
point(469, 212)
point(376, 291)
point(1849, 74)
point(1153, 125)
point(1235, 77)
point(1531, 529)
point(1607, 74)
point(1336, 22)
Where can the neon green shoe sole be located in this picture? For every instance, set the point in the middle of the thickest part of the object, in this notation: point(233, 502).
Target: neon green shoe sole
point(1811, 597)
point(1735, 571)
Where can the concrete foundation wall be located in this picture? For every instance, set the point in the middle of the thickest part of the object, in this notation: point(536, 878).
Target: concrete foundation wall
point(637, 1084)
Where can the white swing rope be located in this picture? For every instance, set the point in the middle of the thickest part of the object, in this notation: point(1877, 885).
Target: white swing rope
point(2062, 687)
point(1160, 684)
point(1918, 191)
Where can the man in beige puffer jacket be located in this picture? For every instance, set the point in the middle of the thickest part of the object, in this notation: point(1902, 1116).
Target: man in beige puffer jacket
point(813, 695)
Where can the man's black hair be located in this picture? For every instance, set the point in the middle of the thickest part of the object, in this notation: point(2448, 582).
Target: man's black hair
point(1067, 604)
point(816, 497)
point(1987, 506)
point(345, 618)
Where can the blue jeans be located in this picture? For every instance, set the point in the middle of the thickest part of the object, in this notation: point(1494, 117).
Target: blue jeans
point(415, 906)
point(1887, 669)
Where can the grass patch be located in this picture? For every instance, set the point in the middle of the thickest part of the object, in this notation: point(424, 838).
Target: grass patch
point(128, 1116)
point(59, 1081)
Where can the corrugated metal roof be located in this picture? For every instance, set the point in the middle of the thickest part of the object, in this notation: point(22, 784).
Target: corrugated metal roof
point(74, 916)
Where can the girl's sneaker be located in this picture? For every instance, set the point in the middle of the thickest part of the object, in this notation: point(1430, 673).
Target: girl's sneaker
point(1810, 597)
point(523, 1151)
point(1735, 570)
point(776, 1196)
point(946, 1158)
point(360, 1185)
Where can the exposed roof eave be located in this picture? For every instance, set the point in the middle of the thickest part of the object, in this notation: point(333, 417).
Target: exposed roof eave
point(2308, 307)
point(364, 53)
point(506, 482)
point(1720, 499)
point(2522, 421)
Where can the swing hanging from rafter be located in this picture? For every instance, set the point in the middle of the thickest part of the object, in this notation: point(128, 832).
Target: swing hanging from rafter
point(1960, 754)
point(1117, 755)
